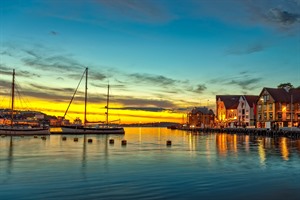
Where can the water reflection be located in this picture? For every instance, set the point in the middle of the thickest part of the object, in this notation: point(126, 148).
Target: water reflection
point(284, 148)
point(261, 152)
point(206, 165)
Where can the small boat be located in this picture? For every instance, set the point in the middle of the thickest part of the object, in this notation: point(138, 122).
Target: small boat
point(20, 129)
point(84, 129)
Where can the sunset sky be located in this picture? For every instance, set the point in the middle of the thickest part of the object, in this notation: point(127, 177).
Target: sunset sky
point(161, 58)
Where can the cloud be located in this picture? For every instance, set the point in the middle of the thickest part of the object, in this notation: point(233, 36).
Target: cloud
point(140, 102)
point(140, 11)
point(245, 84)
point(149, 109)
point(244, 80)
point(200, 88)
point(53, 33)
point(152, 79)
point(282, 17)
point(245, 50)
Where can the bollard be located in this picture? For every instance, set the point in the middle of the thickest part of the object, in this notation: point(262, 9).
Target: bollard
point(76, 139)
point(90, 140)
point(64, 138)
point(111, 141)
point(169, 143)
point(35, 136)
point(43, 137)
point(124, 142)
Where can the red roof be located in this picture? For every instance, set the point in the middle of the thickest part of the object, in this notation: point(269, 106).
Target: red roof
point(251, 99)
point(230, 101)
point(282, 95)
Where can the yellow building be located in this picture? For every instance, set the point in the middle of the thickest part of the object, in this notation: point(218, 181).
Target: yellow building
point(278, 107)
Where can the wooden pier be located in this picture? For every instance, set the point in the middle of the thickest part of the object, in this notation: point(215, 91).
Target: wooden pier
point(294, 134)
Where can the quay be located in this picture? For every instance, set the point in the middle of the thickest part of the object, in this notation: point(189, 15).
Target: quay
point(293, 133)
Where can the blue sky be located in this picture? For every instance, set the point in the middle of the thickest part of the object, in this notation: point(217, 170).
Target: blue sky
point(167, 54)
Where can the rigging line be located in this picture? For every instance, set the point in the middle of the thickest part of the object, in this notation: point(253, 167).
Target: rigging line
point(22, 98)
point(74, 93)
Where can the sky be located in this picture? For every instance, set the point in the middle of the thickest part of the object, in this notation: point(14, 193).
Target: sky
point(160, 57)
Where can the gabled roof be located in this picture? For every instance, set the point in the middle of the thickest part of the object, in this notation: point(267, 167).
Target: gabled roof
point(230, 101)
point(251, 99)
point(278, 94)
point(203, 110)
point(296, 94)
point(282, 95)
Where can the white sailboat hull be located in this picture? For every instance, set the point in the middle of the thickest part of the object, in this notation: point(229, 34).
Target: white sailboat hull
point(89, 130)
point(24, 131)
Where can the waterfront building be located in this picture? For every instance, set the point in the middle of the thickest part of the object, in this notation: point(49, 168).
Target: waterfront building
point(226, 110)
point(246, 111)
point(201, 117)
point(278, 107)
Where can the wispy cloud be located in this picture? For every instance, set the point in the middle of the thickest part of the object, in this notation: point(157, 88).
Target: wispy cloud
point(152, 79)
point(200, 88)
point(54, 33)
point(243, 80)
point(129, 101)
point(282, 15)
point(253, 48)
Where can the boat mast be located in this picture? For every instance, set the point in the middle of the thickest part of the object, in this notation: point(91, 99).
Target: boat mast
point(107, 102)
point(12, 98)
point(85, 97)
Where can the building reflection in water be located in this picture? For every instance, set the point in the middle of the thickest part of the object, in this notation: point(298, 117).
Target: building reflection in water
point(284, 148)
point(226, 143)
point(262, 152)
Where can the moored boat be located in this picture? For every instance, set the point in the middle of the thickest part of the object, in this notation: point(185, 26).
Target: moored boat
point(20, 129)
point(84, 129)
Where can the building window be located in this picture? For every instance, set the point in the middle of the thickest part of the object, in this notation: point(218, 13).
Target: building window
point(279, 115)
point(288, 107)
point(265, 116)
point(288, 116)
point(270, 106)
point(279, 106)
point(298, 116)
point(270, 116)
point(259, 117)
point(259, 107)
point(298, 106)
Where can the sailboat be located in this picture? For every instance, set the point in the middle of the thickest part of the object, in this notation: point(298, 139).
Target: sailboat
point(84, 129)
point(14, 129)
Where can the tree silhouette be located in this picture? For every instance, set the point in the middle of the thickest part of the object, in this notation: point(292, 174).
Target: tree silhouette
point(283, 85)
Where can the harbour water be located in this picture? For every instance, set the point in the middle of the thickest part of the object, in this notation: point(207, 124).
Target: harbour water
point(195, 166)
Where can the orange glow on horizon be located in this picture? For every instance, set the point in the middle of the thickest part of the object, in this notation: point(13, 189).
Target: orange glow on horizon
point(96, 112)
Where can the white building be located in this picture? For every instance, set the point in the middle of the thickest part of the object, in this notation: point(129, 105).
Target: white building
point(247, 110)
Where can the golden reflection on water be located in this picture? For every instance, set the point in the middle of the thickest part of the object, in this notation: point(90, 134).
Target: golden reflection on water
point(227, 142)
point(262, 153)
point(221, 142)
point(246, 143)
point(284, 148)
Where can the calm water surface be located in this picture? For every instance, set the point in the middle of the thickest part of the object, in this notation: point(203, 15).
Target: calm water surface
point(196, 166)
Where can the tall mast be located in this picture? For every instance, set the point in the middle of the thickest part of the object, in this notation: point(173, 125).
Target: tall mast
point(85, 97)
point(107, 102)
point(12, 98)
